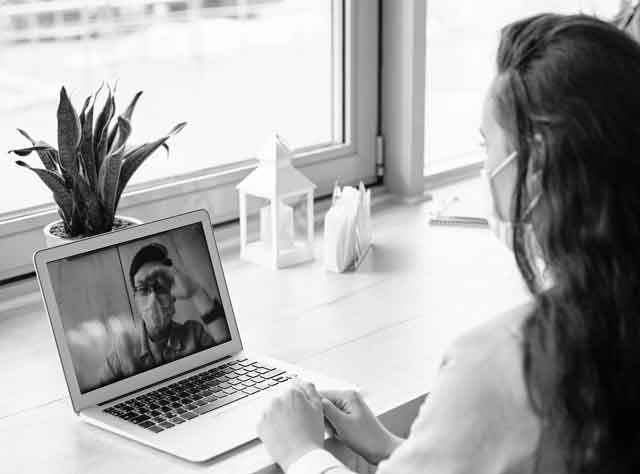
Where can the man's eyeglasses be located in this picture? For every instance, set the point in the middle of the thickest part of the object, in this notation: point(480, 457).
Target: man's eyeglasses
point(159, 289)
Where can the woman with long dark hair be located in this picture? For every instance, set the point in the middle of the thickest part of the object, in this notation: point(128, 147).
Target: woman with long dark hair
point(554, 386)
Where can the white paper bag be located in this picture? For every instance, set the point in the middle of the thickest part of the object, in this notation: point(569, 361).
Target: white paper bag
point(347, 229)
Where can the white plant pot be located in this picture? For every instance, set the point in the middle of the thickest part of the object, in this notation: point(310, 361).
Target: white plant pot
point(52, 240)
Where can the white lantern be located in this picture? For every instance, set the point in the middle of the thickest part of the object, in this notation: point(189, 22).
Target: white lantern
point(276, 180)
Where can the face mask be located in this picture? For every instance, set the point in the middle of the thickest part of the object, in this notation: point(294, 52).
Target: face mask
point(499, 185)
point(500, 227)
point(156, 314)
point(498, 212)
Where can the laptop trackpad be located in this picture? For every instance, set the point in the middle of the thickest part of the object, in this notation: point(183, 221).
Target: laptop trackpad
point(218, 431)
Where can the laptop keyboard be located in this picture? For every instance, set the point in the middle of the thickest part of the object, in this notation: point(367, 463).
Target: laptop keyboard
point(199, 394)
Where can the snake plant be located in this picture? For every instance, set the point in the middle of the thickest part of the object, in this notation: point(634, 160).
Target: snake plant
point(89, 170)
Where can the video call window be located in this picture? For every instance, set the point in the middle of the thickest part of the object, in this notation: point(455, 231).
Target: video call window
point(133, 307)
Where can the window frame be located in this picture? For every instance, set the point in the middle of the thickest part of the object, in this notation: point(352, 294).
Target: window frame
point(214, 188)
point(403, 98)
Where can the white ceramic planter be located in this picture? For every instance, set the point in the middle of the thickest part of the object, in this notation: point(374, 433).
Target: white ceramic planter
point(52, 240)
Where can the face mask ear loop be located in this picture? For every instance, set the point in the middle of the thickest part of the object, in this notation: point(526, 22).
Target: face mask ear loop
point(498, 169)
point(532, 205)
point(491, 175)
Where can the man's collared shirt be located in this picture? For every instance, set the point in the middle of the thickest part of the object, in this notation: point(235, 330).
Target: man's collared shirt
point(133, 355)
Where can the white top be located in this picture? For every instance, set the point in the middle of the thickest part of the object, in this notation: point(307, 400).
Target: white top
point(477, 418)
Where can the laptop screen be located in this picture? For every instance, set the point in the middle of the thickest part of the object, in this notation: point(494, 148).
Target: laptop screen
point(135, 306)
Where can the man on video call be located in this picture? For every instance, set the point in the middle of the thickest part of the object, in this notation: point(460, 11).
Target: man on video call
point(157, 284)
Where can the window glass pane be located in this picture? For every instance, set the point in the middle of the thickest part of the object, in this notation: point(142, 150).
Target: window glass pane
point(235, 70)
point(462, 39)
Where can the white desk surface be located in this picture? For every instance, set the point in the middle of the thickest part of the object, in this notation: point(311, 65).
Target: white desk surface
point(383, 328)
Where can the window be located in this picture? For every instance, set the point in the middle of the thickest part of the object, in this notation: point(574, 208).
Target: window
point(235, 70)
point(462, 39)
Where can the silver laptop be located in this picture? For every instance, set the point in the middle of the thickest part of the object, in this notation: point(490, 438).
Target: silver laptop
point(148, 340)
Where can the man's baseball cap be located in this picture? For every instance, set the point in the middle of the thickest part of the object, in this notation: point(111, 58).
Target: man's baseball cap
point(149, 253)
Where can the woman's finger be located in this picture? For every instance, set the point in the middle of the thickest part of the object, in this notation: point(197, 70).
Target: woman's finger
point(338, 397)
point(332, 412)
point(310, 390)
point(333, 394)
point(333, 433)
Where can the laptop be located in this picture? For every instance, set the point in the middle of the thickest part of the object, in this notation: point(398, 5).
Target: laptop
point(148, 340)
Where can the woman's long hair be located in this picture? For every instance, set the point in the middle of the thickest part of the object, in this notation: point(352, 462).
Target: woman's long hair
point(568, 96)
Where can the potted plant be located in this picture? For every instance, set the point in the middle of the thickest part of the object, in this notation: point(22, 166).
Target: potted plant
point(91, 167)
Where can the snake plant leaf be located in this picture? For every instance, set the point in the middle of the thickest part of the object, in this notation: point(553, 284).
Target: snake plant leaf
point(97, 92)
point(101, 131)
point(61, 195)
point(26, 135)
point(94, 217)
point(101, 119)
point(84, 108)
point(175, 130)
point(103, 145)
point(135, 157)
point(128, 113)
point(124, 131)
point(68, 134)
point(113, 133)
point(88, 217)
point(86, 149)
point(65, 220)
point(82, 118)
point(132, 161)
point(108, 182)
point(78, 211)
point(27, 151)
point(48, 156)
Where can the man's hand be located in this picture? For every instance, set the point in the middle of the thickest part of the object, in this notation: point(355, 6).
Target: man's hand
point(293, 424)
point(183, 285)
point(354, 424)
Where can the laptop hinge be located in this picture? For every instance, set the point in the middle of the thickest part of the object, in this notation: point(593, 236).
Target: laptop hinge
point(163, 381)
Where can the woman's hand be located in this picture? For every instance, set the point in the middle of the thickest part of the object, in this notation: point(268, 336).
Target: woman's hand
point(293, 424)
point(354, 424)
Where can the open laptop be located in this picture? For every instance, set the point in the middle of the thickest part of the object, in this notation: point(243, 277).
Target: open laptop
point(148, 340)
